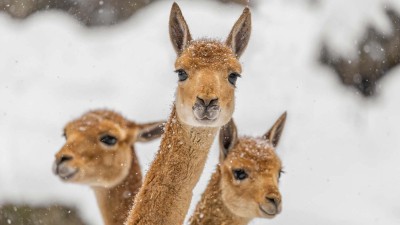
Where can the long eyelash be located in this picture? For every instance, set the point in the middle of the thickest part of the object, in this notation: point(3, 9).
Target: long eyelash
point(281, 171)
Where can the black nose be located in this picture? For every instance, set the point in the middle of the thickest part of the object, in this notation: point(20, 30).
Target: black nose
point(205, 102)
point(64, 158)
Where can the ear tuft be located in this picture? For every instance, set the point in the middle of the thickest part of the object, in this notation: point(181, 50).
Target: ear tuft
point(240, 34)
point(178, 29)
point(274, 134)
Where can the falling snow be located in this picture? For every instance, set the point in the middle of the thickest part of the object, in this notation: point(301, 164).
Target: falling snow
point(334, 143)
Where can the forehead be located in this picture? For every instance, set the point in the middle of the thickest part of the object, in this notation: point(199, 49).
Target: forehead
point(96, 121)
point(208, 54)
point(256, 152)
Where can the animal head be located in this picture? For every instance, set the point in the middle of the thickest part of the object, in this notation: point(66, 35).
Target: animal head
point(207, 71)
point(250, 171)
point(98, 149)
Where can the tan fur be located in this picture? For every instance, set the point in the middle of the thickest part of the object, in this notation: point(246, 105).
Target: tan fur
point(115, 202)
point(165, 195)
point(113, 172)
point(208, 64)
point(227, 201)
point(211, 209)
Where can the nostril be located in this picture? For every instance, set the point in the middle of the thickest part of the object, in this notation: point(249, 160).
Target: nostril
point(201, 101)
point(213, 102)
point(210, 102)
point(64, 158)
point(272, 201)
point(207, 102)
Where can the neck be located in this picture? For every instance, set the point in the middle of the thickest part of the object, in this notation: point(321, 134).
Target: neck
point(211, 208)
point(165, 195)
point(115, 202)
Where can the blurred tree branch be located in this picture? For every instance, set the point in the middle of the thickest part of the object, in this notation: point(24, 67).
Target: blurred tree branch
point(28, 215)
point(89, 12)
point(377, 54)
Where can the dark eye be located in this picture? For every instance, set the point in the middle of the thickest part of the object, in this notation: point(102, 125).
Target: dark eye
point(232, 78)
point(240, 174)
point(182, 75)
point(108, 140)
point(64, 134)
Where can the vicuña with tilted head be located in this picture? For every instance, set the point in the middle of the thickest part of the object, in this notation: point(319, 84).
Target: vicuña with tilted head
point(245, 184)
point(99, 152)
point(207, 71)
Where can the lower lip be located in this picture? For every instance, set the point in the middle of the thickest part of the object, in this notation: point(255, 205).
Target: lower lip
point(206, 120)
point(69, 176)
point(262, 210)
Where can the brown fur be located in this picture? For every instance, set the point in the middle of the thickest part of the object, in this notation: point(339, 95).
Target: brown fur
point(228, 201)
point(115, 202)
point(211, 209)
point(165, 195)
point(167, 188)
point(208, 64)
point(113, 172)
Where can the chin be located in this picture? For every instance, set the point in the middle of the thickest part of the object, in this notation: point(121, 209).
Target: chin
point(105, 184)
point(267, 216)
point(71, 179)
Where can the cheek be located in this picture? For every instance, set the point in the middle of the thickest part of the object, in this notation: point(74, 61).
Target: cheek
point(93, 164)
point(226, 114)
point(121, 161)
point(109, 160)
point(121, 165)
point(112, 159)
point(228, 96)
point(231, 190)
point(123, 157)
point(114, 167)
point(228, 110)
point(238, 200)
point(186, 96)
point(98, 162)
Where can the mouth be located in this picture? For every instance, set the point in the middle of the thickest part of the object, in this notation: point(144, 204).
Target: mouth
point(65, 172)
point(204, 115)
point(266, 213)
point(68, 176)
point(206, 120)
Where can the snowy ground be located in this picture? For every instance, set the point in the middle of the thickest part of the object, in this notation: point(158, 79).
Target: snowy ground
point(340, 151)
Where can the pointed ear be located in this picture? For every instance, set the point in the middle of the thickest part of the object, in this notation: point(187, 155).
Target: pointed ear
point(178, 29)
point(149, 131)
point(240, 33)
point(227, 139)
point(274, 134)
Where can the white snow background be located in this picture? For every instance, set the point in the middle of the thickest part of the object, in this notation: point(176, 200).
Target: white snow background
point(340, 150)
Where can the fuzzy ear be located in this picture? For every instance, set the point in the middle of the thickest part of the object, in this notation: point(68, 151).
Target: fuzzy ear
point(227, 138)
point(240, 33)
point(274, 134)
point(150, 131)
point(178, 29)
